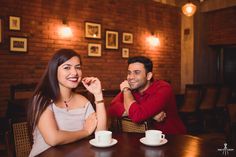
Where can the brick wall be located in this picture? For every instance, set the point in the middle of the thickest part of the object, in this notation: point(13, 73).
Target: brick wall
point(222, 27)
point(40, 20)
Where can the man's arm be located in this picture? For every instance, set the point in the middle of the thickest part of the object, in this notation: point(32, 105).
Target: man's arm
point(154, 104)
point(127, 94)
point(129, 99)
point(116, 108)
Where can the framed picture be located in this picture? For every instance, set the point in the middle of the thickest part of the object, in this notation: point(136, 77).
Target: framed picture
point(92, 30)
point(14, 23)
point(125, 52)
point(111, 39)
point(18, 44)
point(1, 31)
point(127, 38)
point(94, 50)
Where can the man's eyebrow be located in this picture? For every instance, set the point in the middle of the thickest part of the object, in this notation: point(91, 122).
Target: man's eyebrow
point(134, 71)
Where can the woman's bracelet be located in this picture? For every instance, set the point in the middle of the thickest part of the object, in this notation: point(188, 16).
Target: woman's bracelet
point(100, 101)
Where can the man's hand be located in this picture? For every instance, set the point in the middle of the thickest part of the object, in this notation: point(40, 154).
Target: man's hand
point(124, 85)
point(160, 116)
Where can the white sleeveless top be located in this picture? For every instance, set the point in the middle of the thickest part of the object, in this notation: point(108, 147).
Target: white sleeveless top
point(72, 120)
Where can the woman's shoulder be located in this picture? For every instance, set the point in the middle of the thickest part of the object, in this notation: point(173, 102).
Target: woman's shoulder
point(80, 98)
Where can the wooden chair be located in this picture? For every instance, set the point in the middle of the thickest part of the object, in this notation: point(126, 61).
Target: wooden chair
point(22, 91)
point(3, 128)
point(221, 106)
point(18, 102)
point(231, 132)
point(207, 106)
point(17, 108)
point(126, 125)
point(224, 97)
point(210, 94)
point(18, 139)
point(188, 110)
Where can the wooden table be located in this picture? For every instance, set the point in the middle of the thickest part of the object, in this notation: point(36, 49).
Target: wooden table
point(129, 146)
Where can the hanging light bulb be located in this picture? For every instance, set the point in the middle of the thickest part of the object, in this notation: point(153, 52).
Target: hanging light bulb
point(189, 9)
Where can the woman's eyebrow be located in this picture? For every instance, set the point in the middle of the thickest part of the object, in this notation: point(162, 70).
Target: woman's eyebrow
point(66, 65)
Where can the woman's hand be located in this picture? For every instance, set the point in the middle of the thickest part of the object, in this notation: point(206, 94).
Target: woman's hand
point(92, 84)
point(90, 123)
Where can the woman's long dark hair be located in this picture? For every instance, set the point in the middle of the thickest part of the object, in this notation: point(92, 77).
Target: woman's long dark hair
point(47, 90)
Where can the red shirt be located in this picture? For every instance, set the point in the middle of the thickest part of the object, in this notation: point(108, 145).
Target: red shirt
point(158, 97)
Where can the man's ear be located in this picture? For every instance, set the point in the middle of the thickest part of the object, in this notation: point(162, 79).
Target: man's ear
point(149, 76)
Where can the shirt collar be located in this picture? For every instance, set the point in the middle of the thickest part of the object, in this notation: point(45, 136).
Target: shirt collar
point(149, 90)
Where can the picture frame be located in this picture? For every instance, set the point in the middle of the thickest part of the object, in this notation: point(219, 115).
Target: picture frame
point(125, 52)
point(1, 31)
point(127, 38)
point(94, 50)
point(14, 23)
point(93, 30)
point(18, 44)
point(112, 39)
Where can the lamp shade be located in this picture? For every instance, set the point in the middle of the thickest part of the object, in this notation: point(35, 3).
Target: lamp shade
point(189, 9)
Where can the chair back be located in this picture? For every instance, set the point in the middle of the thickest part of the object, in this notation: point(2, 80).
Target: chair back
point(126, 125)
point(224, 96)
point(19, 139)
point(17, 108)
point(22, 91)
point(191, 98)
point(18, 102)
point(209, 97)
point(231, 130)
point(232, 113)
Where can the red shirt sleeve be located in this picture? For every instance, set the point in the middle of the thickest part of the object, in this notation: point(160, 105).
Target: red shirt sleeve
point(154, 103)
point(116, 108)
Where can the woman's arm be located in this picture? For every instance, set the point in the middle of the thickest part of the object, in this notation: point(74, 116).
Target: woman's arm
point(93, 85)
point(101, 112)
point(53, 136)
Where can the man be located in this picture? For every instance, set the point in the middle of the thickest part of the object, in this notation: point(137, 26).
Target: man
point(143, 98)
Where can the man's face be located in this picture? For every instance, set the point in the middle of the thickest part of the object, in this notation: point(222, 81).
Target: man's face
point(137, 77)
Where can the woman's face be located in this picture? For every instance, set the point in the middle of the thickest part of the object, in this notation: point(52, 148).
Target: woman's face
point(69, 74)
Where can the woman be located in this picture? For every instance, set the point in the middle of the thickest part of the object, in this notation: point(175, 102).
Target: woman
point(59, 115)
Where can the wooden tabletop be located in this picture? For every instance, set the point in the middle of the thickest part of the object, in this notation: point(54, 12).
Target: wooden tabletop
point(129, 146)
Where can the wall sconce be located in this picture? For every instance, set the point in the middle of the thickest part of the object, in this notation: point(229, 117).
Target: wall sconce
point(189, 9)
point(65, 30)
point(153, 40)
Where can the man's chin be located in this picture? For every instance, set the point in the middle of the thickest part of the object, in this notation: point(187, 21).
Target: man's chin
point(133, 87)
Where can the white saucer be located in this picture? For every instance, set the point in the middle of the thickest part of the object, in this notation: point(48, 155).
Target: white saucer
point(143, 141)
point(93, 143)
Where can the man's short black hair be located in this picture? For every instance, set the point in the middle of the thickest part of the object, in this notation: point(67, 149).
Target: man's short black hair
point(141, 59)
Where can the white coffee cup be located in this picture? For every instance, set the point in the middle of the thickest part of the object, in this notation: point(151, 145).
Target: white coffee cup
point(154, 136)
point(103, 137)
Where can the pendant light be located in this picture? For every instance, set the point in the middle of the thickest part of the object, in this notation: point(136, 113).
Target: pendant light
point(189, 9)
